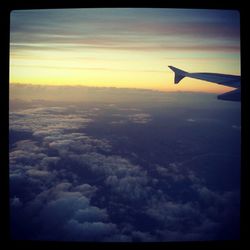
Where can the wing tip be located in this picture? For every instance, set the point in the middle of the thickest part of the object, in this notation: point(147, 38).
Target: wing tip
point(179, 74)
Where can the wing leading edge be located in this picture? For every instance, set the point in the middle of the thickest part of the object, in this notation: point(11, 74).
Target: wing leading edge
point(223, 79)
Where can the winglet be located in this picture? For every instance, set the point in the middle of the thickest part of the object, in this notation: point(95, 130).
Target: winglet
point(179, 74)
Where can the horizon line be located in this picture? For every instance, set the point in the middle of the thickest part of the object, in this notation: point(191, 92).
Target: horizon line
point(112, 87)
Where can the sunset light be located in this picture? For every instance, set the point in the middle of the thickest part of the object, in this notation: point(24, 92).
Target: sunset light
point(122, 47)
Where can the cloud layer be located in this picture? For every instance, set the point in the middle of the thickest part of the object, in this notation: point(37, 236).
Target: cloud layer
point(68, 184)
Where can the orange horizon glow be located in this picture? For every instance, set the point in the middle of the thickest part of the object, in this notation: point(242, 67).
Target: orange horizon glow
point(125, 48)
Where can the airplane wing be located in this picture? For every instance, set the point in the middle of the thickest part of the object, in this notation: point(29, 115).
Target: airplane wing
point(234, 95)
point(223, 79)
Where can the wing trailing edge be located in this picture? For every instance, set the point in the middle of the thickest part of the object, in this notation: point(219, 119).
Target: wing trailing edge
point(234, 95)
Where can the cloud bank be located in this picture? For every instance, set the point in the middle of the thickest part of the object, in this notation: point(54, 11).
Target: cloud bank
point(70, 185)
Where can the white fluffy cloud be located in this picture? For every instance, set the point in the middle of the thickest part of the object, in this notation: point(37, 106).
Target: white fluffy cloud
point(91, 214)
point(108, 165)
point(140, 118)
point(126, 179)
point(76, 142)
point(130, 187)
point(26, 150)
point(88, 231)
point(172, 170)
point(73, 218)
point(85, 189)
point(44, 121)
point(38, 173)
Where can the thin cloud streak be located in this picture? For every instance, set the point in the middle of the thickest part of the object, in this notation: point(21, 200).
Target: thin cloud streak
point(118, 32)
point(93, 68)
point(120, 46)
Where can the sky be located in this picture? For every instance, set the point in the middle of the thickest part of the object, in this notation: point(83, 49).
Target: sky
point(123, 47)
